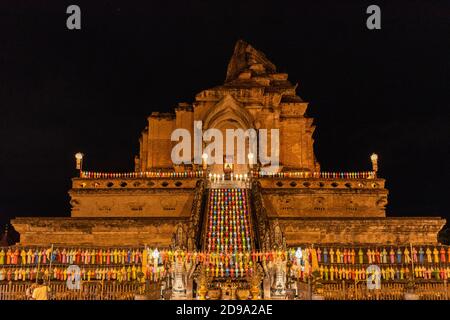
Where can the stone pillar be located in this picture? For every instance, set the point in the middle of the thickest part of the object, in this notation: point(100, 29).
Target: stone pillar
point(344, 293)
point(189, 289)
point(446, 289)
point(266, 287)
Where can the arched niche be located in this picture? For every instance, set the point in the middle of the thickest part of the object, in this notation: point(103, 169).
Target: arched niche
point(228, 110)
point(229, 114)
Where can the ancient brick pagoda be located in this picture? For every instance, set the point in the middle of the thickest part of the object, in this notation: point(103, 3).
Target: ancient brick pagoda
point(233, 222)
point(161, 204)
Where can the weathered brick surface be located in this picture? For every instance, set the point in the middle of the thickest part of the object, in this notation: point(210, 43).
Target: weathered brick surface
point(97, 231)
point(361, 230)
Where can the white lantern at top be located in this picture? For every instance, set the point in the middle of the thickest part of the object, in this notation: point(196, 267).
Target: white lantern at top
point(79, 160)
point(374, 159)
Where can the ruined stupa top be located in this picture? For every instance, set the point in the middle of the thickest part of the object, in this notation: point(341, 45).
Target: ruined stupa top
point(249, 68)
point(245, 58)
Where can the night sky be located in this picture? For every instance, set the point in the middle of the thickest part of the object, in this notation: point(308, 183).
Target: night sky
point(385, 91)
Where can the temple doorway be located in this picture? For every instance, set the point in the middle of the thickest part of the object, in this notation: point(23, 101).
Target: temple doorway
point(228, 167)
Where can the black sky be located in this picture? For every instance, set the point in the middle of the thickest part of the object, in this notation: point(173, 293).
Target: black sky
point(61, 91)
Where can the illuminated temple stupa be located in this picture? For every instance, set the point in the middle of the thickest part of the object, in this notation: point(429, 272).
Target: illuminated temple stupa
point(195, 207)
point(302, 205)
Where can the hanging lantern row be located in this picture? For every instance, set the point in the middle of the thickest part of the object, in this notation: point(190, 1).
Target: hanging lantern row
point(228, 228)
point(428, 255)
point(61, 273)
point(240, 265)
point(323, 175)
point(142, 174)
point(384, 273)
point(156, 273)
point(221, 177)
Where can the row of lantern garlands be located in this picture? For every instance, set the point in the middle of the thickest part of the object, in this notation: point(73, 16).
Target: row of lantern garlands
point(142, 174)
point(154, 265)
point(63, 273)
point(318, 175)
point(156, 273)
point(78, 256)
point(201, 173)
point(221, 177)
point(405, 255)
point(384, 255)
point(228, 227)
point(321, 174)
point(385, 272)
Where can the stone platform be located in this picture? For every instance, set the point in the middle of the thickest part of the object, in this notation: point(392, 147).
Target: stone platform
point(361, 231)
point(154, 232)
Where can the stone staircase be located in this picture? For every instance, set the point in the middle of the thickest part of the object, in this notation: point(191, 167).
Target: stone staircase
point(228, 227)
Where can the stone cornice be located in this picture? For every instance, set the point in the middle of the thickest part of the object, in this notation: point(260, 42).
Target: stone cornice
point(133, 183)
point(292, 183)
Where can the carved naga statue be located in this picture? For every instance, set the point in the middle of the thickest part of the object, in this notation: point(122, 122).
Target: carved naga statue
point(179, 280)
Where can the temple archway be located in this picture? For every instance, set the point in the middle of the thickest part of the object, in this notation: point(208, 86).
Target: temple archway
point(229, 114)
